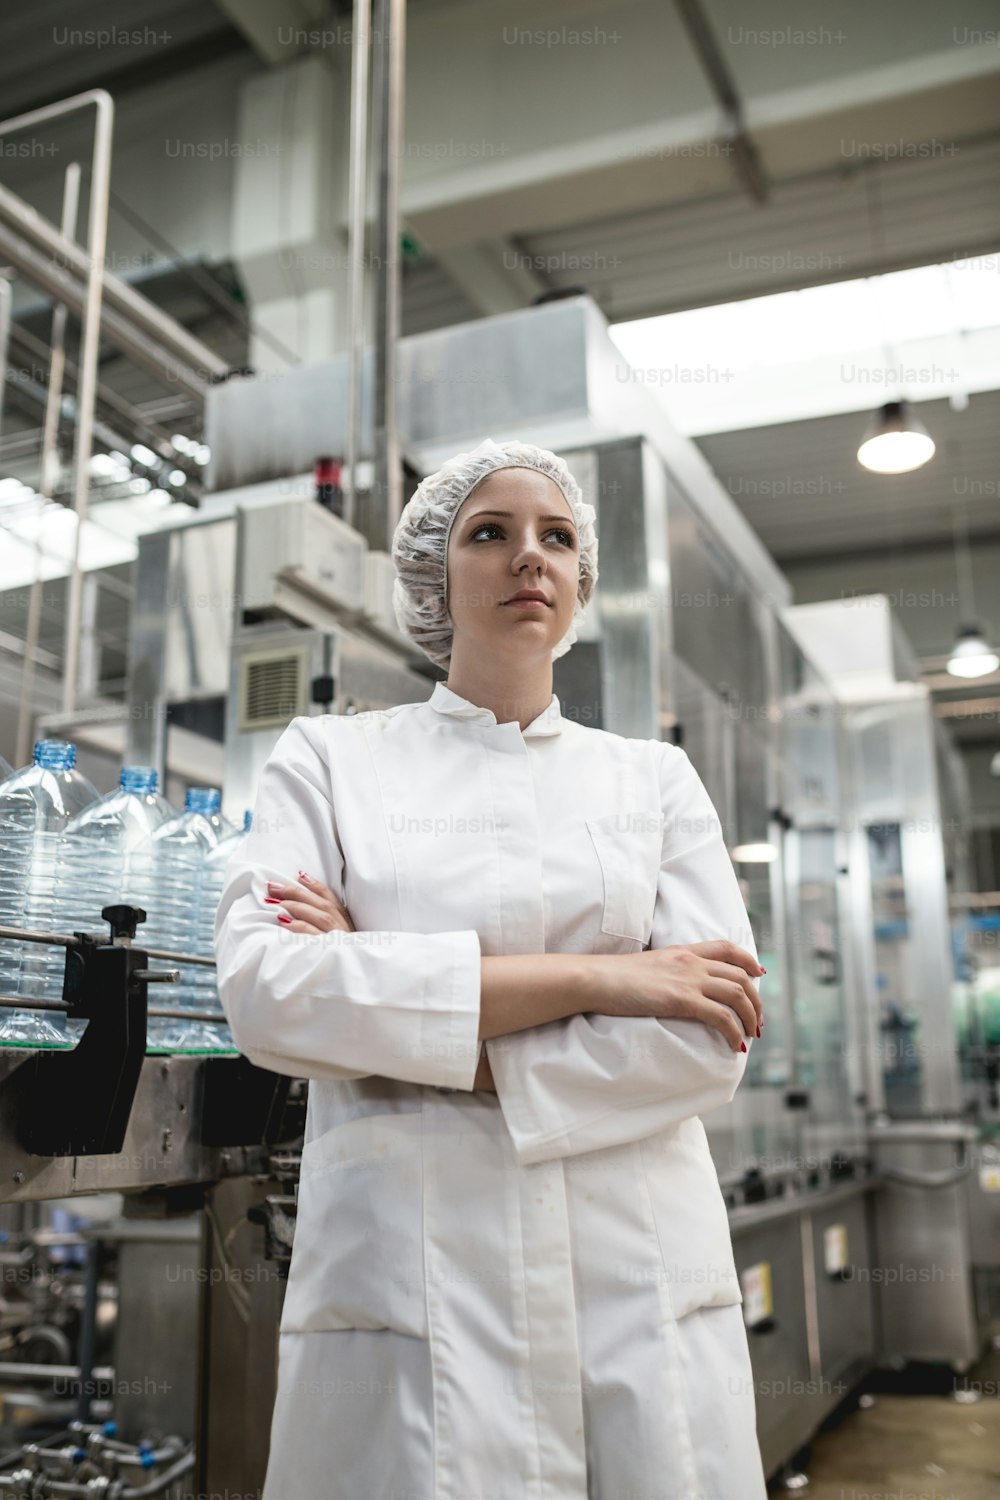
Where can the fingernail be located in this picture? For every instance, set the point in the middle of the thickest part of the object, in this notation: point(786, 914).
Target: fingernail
point(758, 1031)
point(303, 875)
point(272, 901)
point(763, 971)
point(283, 918)
point(743, 1046)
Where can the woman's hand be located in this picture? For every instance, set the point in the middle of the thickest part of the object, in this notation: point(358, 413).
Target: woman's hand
point(308, 907)
point(312, 907)
point(710, 982)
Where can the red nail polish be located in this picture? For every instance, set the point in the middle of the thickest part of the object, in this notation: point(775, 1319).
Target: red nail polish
point(743, 1046)
point(272, 901)
point(283, 918)
point(758, 1031)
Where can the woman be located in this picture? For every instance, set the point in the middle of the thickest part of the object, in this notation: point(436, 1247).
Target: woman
point(512, 956)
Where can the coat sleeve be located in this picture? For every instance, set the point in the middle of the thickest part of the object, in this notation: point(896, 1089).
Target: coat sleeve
point(342, 1004)
point(592, 1081)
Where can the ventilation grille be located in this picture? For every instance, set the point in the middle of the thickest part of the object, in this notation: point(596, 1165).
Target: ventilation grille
point(272, 689)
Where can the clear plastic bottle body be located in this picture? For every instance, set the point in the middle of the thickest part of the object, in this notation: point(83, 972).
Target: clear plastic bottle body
point(36, 804)
point(109, 857)
point(216, 1035)
point(182, 844)
point(17, 827)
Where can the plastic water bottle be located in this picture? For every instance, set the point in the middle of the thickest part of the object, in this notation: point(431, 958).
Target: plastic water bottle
point(209, 803)
point(206, 1033)
point(108, 856)
point(181, 844)
point(6, 769)
point(36, 804)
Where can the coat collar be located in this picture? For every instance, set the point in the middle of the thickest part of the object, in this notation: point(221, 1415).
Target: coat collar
point(445, 701)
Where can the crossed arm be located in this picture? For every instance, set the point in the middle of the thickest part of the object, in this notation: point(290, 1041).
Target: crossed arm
point(569, 1078)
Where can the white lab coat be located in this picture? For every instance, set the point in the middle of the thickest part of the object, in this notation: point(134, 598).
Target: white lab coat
point(493, 1296)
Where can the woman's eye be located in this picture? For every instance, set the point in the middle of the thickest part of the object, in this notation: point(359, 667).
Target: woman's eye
point(568, 539)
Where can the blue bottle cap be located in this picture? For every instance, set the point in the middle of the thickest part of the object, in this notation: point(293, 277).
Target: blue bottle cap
point(55, 755)
point(138, 779)
point(203, 799)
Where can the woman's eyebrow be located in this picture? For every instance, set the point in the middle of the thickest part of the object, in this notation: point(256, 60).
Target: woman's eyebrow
point(508, 513)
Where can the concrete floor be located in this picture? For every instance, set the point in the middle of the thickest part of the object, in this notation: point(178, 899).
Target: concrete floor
point(913, 1442)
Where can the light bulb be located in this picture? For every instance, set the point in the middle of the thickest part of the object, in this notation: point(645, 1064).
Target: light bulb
point(896, 441)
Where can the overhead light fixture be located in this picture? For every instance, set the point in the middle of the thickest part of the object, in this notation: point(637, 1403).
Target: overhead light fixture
point(896, 441)
point(753, 854)
point(972, 656)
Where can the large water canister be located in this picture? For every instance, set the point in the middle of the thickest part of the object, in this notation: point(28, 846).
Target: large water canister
point(109, 857)
point(182, 843)
point(36, 805)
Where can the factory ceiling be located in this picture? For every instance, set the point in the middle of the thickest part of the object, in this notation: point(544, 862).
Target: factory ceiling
point(661, 156)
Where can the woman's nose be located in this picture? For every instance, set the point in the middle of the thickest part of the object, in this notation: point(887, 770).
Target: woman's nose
point(531, 552)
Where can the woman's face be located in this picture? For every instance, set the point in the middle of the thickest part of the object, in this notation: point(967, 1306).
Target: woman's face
point(514, 532)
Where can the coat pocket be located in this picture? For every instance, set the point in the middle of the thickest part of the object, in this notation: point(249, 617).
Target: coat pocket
point(692, 1224)
point(357, 1254)
point(628, 846)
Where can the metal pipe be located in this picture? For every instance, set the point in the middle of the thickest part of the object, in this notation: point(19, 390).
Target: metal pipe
point(97, 233)
point(140, 347)
point(57, 366)
point(5, 296)
point(49, 462)
point(356, 248)
point(88, 1330)
point(32, 935)
point(160, 1484)
point(390, 79)
point(66, 940)
point(33, 1002)
point(143, 314)
point(14, 1370)
point(702, 37)
point(146, 427)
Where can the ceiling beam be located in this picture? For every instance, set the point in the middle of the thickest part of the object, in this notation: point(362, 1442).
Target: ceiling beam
point(278, 30)
point(496, 277)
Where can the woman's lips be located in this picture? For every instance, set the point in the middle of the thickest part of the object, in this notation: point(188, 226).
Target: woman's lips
point(526, 604)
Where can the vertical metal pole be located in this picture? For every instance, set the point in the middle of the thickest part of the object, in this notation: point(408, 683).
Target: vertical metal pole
point(390, 75)
point(5, 296)
point(49, 470)
point(100, 188)
point(90, 656)
point(88, 1330)
point(356, 248)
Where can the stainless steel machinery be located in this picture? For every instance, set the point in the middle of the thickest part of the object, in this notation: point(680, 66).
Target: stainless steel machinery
point(938, 1210)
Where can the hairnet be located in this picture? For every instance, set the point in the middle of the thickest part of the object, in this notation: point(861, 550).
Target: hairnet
point(420, 541)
